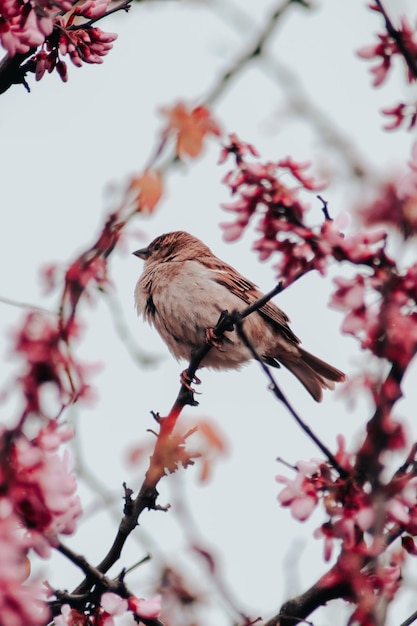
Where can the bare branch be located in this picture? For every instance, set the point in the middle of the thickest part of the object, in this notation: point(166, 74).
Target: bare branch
point(255, 50)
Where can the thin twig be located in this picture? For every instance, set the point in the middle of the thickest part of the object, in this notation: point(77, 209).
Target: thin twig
point(146, 498)
point(26, 305)
point(299, 101)
point(412, 618)
point(280, 396)
point(127, 339)
point(254, 51)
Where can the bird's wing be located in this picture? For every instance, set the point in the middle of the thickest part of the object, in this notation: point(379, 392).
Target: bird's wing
point(248, 292)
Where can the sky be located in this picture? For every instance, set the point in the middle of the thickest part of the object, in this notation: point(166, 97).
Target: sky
point(64, 146)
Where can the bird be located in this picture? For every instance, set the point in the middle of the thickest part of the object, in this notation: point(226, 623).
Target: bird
point(183, 290)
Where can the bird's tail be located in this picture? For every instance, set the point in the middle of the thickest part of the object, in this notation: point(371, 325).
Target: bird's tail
point(313, 373)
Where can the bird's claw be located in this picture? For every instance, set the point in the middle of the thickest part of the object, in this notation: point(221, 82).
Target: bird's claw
point(214, 340)
point(186, 381)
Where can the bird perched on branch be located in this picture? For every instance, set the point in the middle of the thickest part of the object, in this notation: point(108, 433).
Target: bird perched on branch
point(183, 290)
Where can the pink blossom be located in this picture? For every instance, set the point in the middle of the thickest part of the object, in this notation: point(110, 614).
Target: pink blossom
point(148, 609)
point(395, 205)
point(382, 52)
point(71, 617)
point(91, 8)
point(350, 293)
point(113, 604)
point(43, 488)
point(299, 494)
point(237, 148)
point(21, 602)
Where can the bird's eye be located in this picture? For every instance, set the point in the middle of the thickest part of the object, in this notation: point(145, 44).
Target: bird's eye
point(157, 246)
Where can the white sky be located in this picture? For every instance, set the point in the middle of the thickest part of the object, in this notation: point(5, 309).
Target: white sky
point(62, 145)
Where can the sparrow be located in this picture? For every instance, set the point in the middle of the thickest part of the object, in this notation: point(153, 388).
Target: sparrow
point(183, 290)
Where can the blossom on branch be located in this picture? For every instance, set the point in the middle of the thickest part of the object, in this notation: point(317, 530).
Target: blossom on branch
point(50, 29)
point(40, 342)
point(395, 204)
point(40, 485)
point(299, 493)
point(401, 113)
point(26, 25)
point(388, 47)
point(38, 503)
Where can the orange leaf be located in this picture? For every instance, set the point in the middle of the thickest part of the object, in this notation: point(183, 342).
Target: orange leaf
point(212, 435)
point(148, 188)
point(190, 128)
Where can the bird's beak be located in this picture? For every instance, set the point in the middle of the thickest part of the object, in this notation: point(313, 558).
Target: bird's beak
point(143, 253)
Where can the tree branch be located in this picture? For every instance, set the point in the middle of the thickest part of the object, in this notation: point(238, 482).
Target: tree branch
point(255, 50)
point(147, 495)
point(280, 396)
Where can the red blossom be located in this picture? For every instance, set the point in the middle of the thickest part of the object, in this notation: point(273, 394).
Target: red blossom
point(300, 493)
point(85, 45)
point(50, 26)
point(400, 114)
point(148, 609)
point(40, 484)
point(297, 170)
point(388, 47)
point(237, 148)
point(25, 25)
point(38, 502)
point(395, 206)
point(261, 190)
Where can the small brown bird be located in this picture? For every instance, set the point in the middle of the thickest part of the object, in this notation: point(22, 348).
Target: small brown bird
point(184, 288)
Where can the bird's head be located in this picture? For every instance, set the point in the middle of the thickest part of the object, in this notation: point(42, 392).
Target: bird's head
point(175, 246)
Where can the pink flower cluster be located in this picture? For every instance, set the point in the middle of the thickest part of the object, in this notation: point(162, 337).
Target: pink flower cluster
point(259, 187)
point(21, 602)
point(388, 47)
point(111, 605)
point(89, 270)
point(38, 503)
point(262, 192)
point(399, 42)
point(381, 303)
point(26, 25)
point(48, 363)
point(353, 511)
point(59, 27)
point(381, 313)
point(395, 204)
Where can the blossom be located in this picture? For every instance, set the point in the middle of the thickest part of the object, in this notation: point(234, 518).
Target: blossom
point(88, 45)
point(41, 486)
point(400, 113)
point(299, 493)
point(54, 28)
point(21, 602)
point(237, 148)
point(382, 52)
point(148, 609)
point(387, 47)
point(260, 189)
point(395, 205)
point(71, 617)
point(26, 25)
point(39, 343)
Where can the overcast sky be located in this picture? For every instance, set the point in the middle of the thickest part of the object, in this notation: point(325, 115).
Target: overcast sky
point(62, 145)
